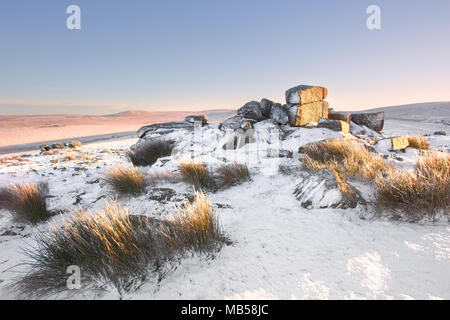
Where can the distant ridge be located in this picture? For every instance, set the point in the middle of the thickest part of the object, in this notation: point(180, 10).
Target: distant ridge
point(139, 113)
point(436, 112)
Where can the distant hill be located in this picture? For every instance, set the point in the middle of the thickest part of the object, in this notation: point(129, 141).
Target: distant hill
point(216, 113)
point(434, 112)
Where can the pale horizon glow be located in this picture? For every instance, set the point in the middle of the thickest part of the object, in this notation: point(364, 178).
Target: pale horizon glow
point(204, 55)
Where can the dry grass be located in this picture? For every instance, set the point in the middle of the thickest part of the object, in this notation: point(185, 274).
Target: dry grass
point(147, 154)
point(70, 156)
point(51, 152)
point(164, 176)
point(418, 142)
point(196, 173)
point(232, 174)
point(346, 156)
point(424, 190)
point(195, 226)
point(116, 248)
point(8, 160)
point(26, 201)
point(126, 180)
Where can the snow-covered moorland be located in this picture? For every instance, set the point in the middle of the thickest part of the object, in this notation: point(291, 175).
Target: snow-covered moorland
point(288, 239)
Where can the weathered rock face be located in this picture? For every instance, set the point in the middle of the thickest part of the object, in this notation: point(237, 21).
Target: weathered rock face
point(320, 190)
point(236, 122)
point(399, 143)
point(335, 125)
point(192, 119)
point(374, 121)
point(266, 105)
point(300, 115)
point(167, 195)
point(342, 116)
point(251, 110)
point(304, 94)
point(279, 114)
point(165, 128)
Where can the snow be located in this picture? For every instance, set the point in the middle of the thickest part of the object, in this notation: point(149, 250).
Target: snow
point(279, 250)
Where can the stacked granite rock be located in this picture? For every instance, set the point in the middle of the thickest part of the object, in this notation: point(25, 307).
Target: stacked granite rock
point(306, 104)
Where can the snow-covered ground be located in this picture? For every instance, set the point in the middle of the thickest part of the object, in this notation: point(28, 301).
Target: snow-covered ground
point(279, 249)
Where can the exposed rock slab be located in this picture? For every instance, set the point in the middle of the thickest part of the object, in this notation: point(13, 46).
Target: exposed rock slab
point(341, 116)
point(304, 94)
point(335, 125)
point(301, 115)
point(236, 122)
point(165, 128)
point(373, 121)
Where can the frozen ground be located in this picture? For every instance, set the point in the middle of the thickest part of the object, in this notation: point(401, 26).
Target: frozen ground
point(279, 249)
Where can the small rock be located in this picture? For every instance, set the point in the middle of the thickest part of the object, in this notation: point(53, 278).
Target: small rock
point(399, 143)
point(59, 145)
point(45, 147)
point(440, 133)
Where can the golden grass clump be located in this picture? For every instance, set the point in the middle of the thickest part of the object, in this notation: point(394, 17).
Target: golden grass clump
point(117, 248)
point(196, 173)
point(126, 180)
point(196, 226)
point(345, 155)
point(419, 191)
point(418, 142)
point(27, 202)
point(232, 174)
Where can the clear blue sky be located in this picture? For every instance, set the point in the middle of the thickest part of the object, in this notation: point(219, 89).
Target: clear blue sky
point(204, 54)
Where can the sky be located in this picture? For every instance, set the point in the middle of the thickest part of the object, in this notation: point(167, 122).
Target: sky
point(210, 54)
